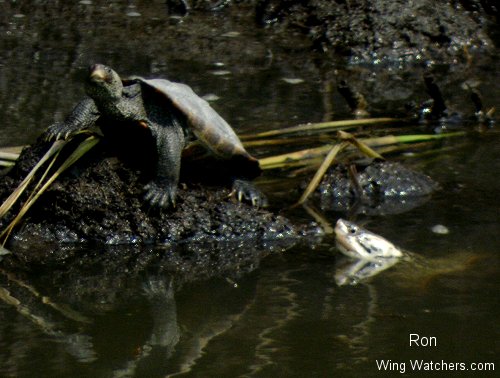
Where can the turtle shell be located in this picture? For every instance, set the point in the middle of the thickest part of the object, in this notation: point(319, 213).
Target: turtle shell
point(206, 124)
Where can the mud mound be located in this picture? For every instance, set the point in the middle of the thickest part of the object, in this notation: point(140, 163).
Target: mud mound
point(101, 200)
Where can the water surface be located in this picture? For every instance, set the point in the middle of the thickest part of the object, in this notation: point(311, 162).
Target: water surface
point(285, 316)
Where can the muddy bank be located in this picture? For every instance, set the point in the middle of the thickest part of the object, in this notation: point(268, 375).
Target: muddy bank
point(384, 48)
point(100, 200)
point(388, 31)
point(373, 32)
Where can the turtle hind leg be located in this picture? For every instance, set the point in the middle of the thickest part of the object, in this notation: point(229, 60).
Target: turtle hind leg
point(246, 191)
point(242, 169)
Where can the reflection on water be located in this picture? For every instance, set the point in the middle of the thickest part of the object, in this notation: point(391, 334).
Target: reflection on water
point(277, 312)
point(287, 316)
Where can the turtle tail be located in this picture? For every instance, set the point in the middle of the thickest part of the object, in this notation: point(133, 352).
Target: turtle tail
point(245, 166)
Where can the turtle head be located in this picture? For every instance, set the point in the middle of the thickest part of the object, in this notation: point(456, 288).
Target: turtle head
point(359, 243)
point(103, 83)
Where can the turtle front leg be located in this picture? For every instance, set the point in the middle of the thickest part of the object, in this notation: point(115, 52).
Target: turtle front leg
point(83, 116)
point(162, 190)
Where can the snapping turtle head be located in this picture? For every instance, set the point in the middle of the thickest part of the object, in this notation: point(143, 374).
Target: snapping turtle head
point(103, 83)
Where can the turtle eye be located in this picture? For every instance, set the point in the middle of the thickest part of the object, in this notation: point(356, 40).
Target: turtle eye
point(352, 230)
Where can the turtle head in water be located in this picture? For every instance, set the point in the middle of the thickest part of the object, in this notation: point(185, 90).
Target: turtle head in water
point(372, 253)
point(369, 254)
point(359, 243)
point(103, 83)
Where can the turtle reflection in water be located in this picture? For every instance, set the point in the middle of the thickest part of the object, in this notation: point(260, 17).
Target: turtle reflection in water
point(370, 254)
point(169, 115)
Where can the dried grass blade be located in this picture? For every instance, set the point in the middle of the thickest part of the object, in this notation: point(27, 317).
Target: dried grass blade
point(319, 127)
point(281, 160)
point(362, 147)
point(11, 200)
point(9, 156)
point(321, 171)
point(319, 218)
point(413, 138)
point(85, 146)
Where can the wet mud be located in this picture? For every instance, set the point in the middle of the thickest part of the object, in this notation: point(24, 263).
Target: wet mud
point(386, 31)
point(374, 188)
point(101, 200)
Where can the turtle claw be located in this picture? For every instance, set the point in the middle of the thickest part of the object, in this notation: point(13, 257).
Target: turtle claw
point(57, 131)
point(161, 196)
point(246, 191)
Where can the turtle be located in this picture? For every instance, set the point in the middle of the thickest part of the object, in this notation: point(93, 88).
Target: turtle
point(173, 115)
point(370, 254)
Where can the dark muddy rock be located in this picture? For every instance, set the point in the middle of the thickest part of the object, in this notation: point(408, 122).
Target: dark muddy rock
point(386, 31)
point(377, 188)
point(101, 200)
point(435, 110)
point(183, 7)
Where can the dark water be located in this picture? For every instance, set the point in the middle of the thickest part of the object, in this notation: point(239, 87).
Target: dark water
point(286, 317)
